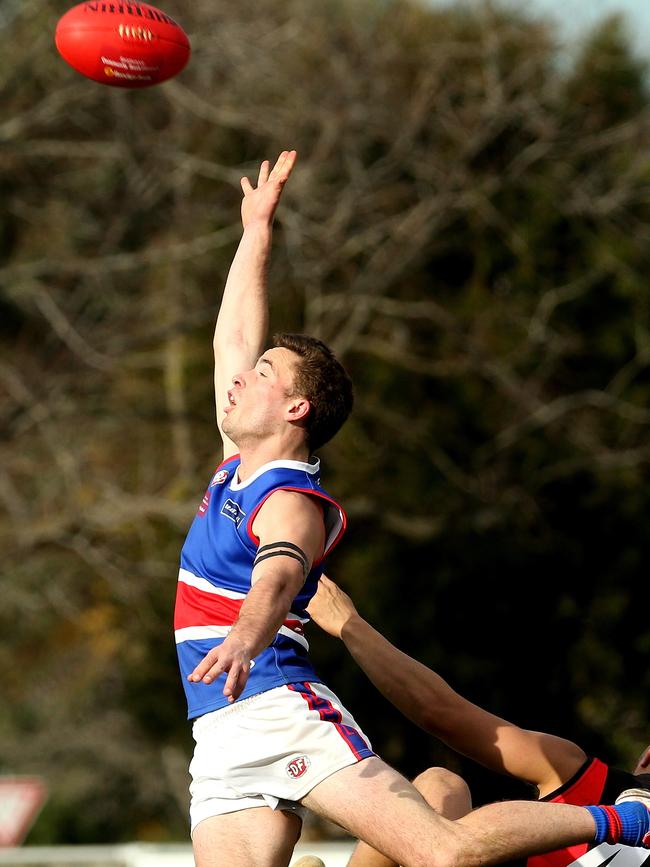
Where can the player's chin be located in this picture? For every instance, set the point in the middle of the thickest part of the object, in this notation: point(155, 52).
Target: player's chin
point(232, 432)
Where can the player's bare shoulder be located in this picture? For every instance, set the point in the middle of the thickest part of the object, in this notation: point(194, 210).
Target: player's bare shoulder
point(296, 516)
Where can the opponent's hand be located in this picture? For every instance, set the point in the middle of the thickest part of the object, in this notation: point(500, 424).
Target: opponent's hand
point(233, 656)
point(331, 608)
point(259, 203)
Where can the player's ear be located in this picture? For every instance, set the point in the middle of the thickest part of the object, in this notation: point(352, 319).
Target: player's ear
point(643, 765)
point(298, 409)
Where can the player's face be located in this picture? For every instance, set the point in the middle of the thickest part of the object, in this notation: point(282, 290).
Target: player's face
point(258, 399)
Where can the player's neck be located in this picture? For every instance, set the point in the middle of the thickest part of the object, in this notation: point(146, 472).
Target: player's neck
point(256, 455)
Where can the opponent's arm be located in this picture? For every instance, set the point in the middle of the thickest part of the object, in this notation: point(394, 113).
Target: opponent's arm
point(278, 574)
point(242, 322)
point(428, 700)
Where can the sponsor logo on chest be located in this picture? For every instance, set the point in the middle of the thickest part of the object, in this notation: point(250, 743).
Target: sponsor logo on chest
point(233, 510)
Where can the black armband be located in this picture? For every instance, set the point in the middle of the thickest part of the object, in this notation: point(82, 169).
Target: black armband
point(283, 549)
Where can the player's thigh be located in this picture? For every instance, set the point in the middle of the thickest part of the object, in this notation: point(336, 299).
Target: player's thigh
point(375, 803)
point(258, 837)
point(443, 790)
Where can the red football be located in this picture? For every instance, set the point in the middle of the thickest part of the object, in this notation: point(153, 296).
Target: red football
point(122, 44)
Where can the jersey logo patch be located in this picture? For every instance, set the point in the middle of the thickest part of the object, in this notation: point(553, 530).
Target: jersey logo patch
point(205, 502)
point(298, 766)
point(219, 478)
point(233, 511)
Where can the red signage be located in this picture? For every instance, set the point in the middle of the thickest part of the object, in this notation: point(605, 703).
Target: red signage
point(21, 799)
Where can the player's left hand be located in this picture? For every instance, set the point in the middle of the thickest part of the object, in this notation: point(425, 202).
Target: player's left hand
point(232, 656)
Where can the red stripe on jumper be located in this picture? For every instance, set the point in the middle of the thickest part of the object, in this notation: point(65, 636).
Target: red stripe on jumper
point(327, 712)
point(195, 607)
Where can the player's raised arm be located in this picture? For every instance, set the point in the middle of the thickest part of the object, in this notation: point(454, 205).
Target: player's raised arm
point(425, 698)
point(242, 322)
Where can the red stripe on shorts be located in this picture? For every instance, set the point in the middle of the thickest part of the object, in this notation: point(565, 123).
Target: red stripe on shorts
point(328, 713)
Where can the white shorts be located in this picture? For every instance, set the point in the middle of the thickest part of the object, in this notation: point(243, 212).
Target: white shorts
point(270, 750)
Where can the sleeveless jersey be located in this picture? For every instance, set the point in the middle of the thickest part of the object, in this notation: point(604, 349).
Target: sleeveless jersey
point(594, 783)
point(215, 576)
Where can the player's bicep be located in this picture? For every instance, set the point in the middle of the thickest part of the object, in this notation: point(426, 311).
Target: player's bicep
point(543, 759)
point(291, 534)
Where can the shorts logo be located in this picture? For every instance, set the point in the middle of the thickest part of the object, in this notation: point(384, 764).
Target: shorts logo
point(232, 510)
point(298, 766)
point(219, 478)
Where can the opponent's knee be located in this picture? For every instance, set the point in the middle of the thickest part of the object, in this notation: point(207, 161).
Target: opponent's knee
point(445, 856)
point(445, 791)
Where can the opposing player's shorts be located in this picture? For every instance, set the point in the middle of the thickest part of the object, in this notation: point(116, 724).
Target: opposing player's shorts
point(270, 750)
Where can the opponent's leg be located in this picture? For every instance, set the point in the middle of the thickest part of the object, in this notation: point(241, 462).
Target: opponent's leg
point(258, 837)
point(444, 791)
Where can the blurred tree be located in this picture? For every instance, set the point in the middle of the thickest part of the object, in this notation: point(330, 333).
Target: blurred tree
point(468, 228)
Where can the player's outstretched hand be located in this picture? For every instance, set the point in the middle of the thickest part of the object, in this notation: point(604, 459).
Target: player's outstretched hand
point(231, 656)
point(331, 608)
point(259, 203)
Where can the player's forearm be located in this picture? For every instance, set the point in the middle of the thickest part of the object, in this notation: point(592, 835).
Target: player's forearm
point(263, 612)
point(243, 314)
point(419, 693)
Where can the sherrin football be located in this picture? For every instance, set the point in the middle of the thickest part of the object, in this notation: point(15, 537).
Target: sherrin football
point(122, 44)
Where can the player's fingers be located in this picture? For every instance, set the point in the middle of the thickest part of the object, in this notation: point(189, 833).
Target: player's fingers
point(231, 683)
point(236, 680)
point(239, 686)
point(280, 160)
point(278, 168)
point(246, 186)
point(205, 665)
point(263, 176)
point(285, 169)
point(215, 671)
point(289, 163)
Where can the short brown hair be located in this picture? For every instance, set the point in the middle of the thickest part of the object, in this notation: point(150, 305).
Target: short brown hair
point(322, 379)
